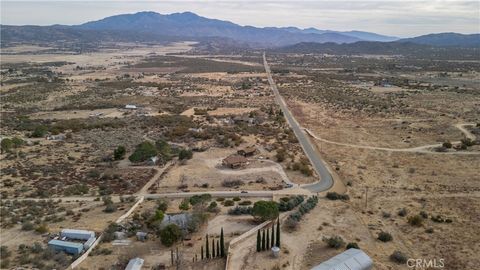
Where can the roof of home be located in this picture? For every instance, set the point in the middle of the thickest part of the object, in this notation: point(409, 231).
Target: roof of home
point(352, 259)
point(235, 159)
point(65, 244)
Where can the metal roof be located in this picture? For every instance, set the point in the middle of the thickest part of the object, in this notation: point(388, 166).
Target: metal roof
point(352, 259)
point(134, 264)
point(65, 244)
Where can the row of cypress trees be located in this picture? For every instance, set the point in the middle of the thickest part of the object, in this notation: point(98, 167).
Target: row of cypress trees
point(267, 239)
point(217, 248)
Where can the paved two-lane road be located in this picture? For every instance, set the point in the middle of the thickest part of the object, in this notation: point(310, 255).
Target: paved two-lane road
point(326, 180)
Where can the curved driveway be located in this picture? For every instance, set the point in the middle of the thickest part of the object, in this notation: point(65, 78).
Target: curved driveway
point(326, 179)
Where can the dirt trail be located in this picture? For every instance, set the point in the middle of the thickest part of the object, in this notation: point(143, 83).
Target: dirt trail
point(418, 149)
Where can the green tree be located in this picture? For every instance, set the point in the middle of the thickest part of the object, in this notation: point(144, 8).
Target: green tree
point(213, 248)
point(218, 248)
point(207, 250)
point(201, 252)
point(142, 152)
point(6, 145)
point(264, 246)
point(272, 243)
point(185, 154)
point(17, 142)
point(39, 131)
point(268, 238)
point(278, 233)
point(222, 244)
point(170, 234)
point(265, 210)
point(259, 241)
point(119, 152)
point(159, 215)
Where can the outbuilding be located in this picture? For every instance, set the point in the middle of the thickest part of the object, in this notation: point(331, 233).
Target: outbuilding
point(352, 259)
point(248, 151)
point(135, 264)
point(65, 246)
point(235, 161)
point(77, 234)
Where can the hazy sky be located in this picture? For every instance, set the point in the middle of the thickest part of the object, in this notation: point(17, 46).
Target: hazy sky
point(401, 18)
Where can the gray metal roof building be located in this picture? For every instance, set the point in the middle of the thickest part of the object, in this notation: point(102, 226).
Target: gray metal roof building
point(352, 259)
point(77, 234)
point(65, 246)
point(134, 264)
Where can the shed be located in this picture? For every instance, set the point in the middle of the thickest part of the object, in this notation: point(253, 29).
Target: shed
point(134, 264)
point(352, 259)
point(141, 236)
point(89, 242)
point(248, 151)
point(181, 220)
point(65, 246)
point(130, 107)
point(77, 234)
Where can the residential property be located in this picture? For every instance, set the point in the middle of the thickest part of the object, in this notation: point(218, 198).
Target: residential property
point(66, 246)
point(248, 151)
point(135, 264)
point(352, 259)
point(235, 161)
point(181, 220)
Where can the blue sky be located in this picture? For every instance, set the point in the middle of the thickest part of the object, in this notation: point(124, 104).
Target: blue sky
point(400, 18)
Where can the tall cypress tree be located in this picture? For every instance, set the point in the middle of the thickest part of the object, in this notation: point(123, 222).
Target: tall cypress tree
point(201, 252)
point(222, 244)
point(278, 232)
point(259, 241)
point(213, 248)
point(272, 243)
point(263, 240)
point(207, 250)
point(268, 238)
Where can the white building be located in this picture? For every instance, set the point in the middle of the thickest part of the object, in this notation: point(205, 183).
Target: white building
point(130, 107)
point(352, 259)
point(135, 264)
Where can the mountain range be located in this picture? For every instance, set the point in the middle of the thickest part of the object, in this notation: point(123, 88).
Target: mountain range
point(152, 26)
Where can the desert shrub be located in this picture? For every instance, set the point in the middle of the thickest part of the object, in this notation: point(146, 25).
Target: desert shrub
point(77, 189)
point(402, 212)
point(220, 199)
point(352, 245)
point(228, 203)
point(429, 230)
point(4, 252)
point(334, 242)
point(290, 224)
point(423, 214)
point(386, 215)
point(398, 257)
point(42, 228)
point(287, 204)
point(384, 236)
point(415, 220)
point(39, 131)
point(281, 155)
point(170, 234)
point(467, 142)
point(247, 202)
point(6, 145)
point(447, 144)
point(240, 210)
point(162, 205)
point(335, 196)
point(184, 205)
point(265, 210)
point(185, 154)
point(232, 183)
point(236, 199)
point(110, 208)
point(27, 226)
point(200, 199)
point(119, 152)
point(143, 151)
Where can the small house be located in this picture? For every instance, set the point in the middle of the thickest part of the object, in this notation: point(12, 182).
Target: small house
point(248, 151)
point(130, 107)
point(353, 259)
point(135, 264)
point(235, 161)
point(66, 246)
